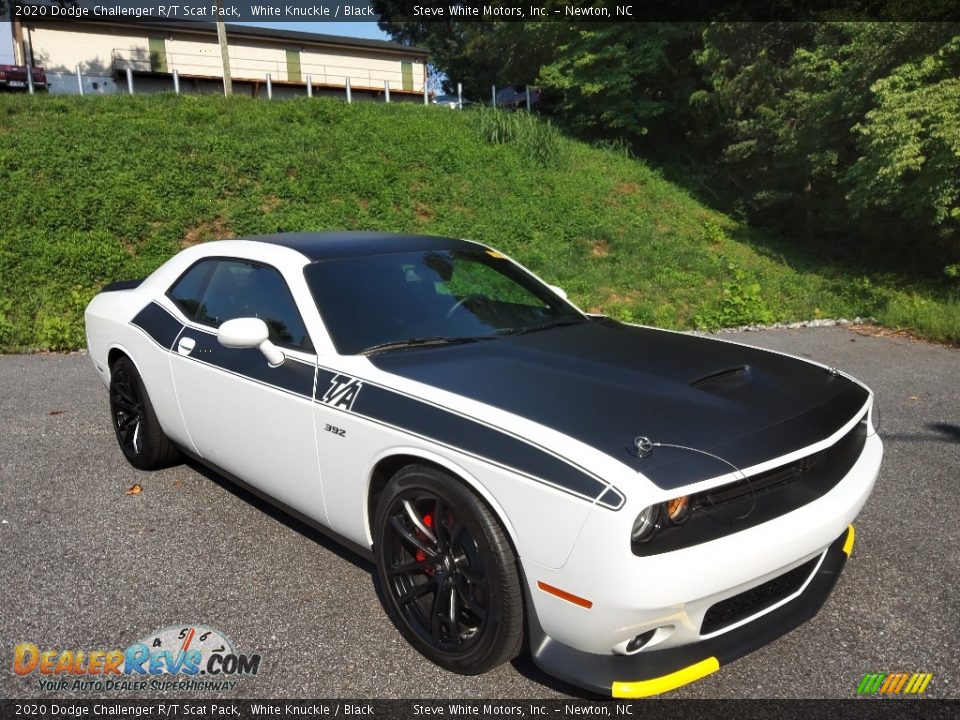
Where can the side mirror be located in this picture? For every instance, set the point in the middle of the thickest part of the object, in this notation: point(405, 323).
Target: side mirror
point(558, 291)
point(243, 333)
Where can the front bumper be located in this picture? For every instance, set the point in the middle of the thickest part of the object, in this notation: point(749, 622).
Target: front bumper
point(657, 671)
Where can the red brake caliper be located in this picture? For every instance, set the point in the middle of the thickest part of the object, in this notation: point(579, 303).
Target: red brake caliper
point(420, 554)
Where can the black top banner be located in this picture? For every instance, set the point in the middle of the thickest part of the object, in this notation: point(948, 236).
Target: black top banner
point(578, 11)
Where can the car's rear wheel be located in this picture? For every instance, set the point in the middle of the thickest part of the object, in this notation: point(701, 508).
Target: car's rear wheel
point(448, 572)
point(139, 434)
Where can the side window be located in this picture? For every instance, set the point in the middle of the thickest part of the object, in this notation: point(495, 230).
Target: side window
point(230, 289)
point(187, 292)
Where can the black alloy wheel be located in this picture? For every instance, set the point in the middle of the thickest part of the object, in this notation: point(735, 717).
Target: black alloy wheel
point(139, 434)
point(448, 572)
point(127, 411)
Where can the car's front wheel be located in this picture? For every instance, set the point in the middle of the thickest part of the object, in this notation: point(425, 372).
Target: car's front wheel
point(139, 434)
point(448, 572)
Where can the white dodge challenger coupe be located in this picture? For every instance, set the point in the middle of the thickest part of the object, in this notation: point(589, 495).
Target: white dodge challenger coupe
point(637, 506)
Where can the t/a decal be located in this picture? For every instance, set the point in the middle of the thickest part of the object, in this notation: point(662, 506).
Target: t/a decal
point(342, 392)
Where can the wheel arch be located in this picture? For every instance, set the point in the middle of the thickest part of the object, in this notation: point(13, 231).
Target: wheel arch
point(158, 449)
point(388, 463)
point(116, 352)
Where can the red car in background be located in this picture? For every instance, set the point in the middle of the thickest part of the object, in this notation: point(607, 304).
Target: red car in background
point(13, 78)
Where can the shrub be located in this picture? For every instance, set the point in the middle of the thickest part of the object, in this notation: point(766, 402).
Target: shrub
point(741, 303)
point(538, 140)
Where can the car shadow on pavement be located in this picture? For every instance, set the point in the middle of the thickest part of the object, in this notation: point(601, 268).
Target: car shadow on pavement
point(305, 529)
point(282, 516)
point(942, 432)
point(948, 431)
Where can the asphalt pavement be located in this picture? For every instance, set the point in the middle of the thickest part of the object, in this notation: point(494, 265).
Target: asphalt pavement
point(84, 565)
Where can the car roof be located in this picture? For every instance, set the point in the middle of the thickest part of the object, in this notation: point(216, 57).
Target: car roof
point(319, 246)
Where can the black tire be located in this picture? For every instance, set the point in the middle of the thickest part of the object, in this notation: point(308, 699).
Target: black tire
point(139, 434)
point(455, 596)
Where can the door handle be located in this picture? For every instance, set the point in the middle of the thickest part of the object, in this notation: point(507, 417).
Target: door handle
point(186, 345)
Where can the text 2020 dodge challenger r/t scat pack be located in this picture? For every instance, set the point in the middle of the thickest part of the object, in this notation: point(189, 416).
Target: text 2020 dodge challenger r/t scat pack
point(646, 504)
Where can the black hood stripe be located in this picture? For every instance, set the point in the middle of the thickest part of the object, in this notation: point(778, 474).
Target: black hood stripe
point(607, 384)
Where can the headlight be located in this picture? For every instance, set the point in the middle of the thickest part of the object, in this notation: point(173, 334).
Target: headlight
point(677, 509)
point(645, 524)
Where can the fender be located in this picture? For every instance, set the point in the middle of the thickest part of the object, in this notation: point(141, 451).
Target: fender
point(524, 521)
point(455, 469)
point(179, 434)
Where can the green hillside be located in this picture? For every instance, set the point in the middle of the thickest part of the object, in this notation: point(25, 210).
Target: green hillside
point(103, 188)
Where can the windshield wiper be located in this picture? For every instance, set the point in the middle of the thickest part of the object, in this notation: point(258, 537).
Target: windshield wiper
point(560, 322)
point(420, 342)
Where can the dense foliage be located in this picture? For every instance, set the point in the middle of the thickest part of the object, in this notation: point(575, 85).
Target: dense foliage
point(97, 189)
point(612, 79)
point(477, 55)
point(843, 136)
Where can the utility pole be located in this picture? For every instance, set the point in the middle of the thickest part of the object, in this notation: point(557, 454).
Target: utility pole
point(29, 53)
point(22, 49)
point(224, 53)
point(17, 30)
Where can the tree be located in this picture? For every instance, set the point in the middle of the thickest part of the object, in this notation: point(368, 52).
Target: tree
point(748, 126)
point(909, 164)
point(841, 134)
point(623, 78)
point(793, 102)
point(473, 53)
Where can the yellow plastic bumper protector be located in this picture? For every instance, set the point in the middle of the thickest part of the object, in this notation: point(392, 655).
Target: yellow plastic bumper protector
point(848, 545)
point(646, 688)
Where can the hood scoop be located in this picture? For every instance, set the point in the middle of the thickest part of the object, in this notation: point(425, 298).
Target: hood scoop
point(715, 380)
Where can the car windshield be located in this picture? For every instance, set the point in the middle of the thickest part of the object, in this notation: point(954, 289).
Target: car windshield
point(386, 302)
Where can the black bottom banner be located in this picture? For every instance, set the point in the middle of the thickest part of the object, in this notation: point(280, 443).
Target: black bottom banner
point(659, 709)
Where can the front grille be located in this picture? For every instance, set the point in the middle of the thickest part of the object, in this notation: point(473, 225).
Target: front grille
point(750, 602)
point(835, 460)
point(746, 503)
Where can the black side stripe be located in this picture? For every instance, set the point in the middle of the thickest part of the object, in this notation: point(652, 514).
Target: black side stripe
point(473, 437)
point(384, 406)
point(293, 376)
point(157, 322)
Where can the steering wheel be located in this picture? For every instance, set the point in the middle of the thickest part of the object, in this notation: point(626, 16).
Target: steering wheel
point(463, 301)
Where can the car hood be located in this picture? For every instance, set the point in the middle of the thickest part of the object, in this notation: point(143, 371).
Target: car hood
point(605, 383)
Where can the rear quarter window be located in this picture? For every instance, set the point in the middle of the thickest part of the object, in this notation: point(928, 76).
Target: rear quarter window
point(216, 290)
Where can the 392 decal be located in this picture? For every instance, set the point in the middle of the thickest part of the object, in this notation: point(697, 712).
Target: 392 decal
point(335, 430)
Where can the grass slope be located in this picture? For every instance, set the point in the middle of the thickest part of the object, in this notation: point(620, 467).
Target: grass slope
point(102, 188)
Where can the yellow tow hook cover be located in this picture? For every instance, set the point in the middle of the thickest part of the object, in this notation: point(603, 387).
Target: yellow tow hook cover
point(848, 543)
point(655, 686)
